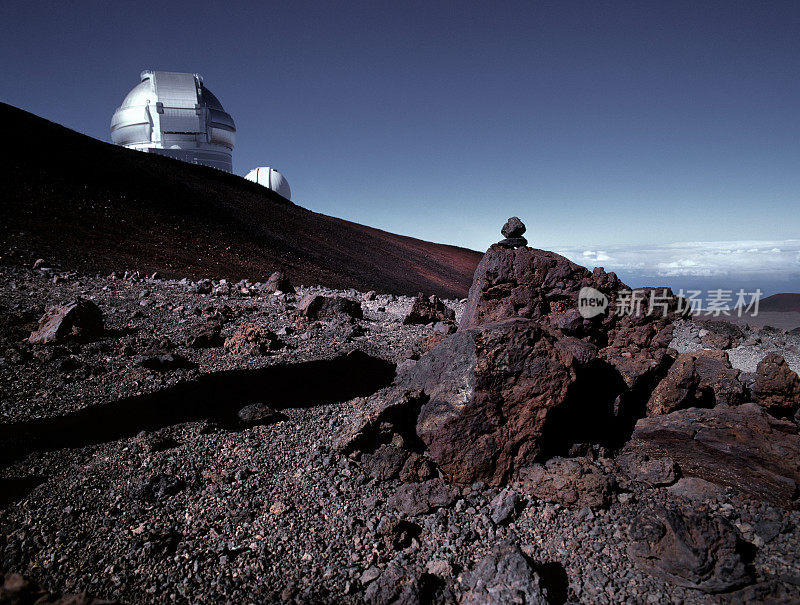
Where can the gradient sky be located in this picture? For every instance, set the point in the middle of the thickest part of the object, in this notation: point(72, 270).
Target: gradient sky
point(605, 126)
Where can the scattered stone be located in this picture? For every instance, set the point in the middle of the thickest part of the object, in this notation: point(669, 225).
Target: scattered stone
point(81, 319)
point(741, 447)
point(369, 296)
point(397, 533)
point(570, 482)
point(18, 590)
point(696, 489)
point(204, 286)
point(690, 548)
point(504, 506)
point(777, 387)
point(394, 585)
point(421, 498)
point(252, 339)
point(428, 310)
point(160, 487)
point(504, 576)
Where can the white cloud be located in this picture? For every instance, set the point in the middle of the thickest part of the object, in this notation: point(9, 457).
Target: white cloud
point(780, 259)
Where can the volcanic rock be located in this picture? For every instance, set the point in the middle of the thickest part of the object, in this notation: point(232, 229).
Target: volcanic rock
point(504, 506)
point(701, 379)
point(385, 463)
point(255, 414)
point(421, 498)
point(513, 228)
point(394, 585)
point(397, 533)
point(19, 590)
point(428, 310)
point(740, 447)
point(490, 390)
point(571, 482)
point(513, 242)
point(252, 339)
point(503, 576)
point(777, 387)
point(80, 319)
point(279, 282)
point(315, 306)
point(163, 362)
point(691, 549)
point(640, 468)
point(205, 335)
point(417, 468)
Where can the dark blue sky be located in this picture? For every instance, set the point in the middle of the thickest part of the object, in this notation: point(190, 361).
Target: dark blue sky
point(604, 125)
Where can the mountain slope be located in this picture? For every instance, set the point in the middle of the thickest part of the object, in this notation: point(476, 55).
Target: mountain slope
point(785, 303)
point(97, 207)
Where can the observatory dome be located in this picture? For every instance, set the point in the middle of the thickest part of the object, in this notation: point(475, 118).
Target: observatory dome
point(174, 114)
point(272, 179)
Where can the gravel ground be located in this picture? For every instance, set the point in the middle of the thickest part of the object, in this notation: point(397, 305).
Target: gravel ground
point(203, 511)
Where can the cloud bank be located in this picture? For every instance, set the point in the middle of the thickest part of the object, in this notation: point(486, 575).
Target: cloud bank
point(749, 261)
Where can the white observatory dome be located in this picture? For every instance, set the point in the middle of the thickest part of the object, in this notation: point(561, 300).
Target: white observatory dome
point(174, 114)
point(271, 179)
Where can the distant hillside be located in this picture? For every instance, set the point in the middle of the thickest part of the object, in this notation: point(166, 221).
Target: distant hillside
point(95, 207)
point(784, 303)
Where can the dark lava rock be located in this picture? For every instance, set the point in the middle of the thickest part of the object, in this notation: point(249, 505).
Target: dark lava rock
point(513, 242)
point(701, 379)
point(315, 306)
point(740, 447)
point(385, 463)
point(279, 282)
point(691, 549)
point(204, 286)
point(571, 482)
point(504, 576)
point(252, 339)
point(640, 468)
point(163, 362)
point(205, 335)
point(777, 387)
point(80, 319)
point(256, 414)
point(721, 334)
point(513, 228)
point(428, 310)
point(421, 498)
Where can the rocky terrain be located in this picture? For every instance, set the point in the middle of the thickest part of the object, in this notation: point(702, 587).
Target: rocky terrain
point(179, 440)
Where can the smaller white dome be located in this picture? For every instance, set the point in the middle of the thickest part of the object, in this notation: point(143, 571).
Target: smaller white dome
point(271, 179)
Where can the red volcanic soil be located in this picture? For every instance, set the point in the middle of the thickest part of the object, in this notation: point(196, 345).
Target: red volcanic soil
point(96, 207)
point(785, 303)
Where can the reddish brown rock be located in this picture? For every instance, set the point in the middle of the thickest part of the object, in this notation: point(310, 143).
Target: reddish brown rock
point(741, 447)
point(571, 482)
point(80, 319)
point(777, 387)
point(490, 391)
point(252, 339)
point(701, 379)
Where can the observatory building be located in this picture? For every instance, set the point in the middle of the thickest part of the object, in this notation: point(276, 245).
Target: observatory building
point(272, 179)
point(174, 114)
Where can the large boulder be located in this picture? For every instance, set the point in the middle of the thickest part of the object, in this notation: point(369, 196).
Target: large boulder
point(741, 447)
point(690, 548)
point(279, 282)
point(490, 391)
point(79, 319)
point(777, 387)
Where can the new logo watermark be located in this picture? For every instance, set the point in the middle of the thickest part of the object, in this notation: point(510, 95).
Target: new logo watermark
point(591, 302)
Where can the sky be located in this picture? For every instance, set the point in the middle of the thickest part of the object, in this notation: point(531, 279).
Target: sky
point(658, 139)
